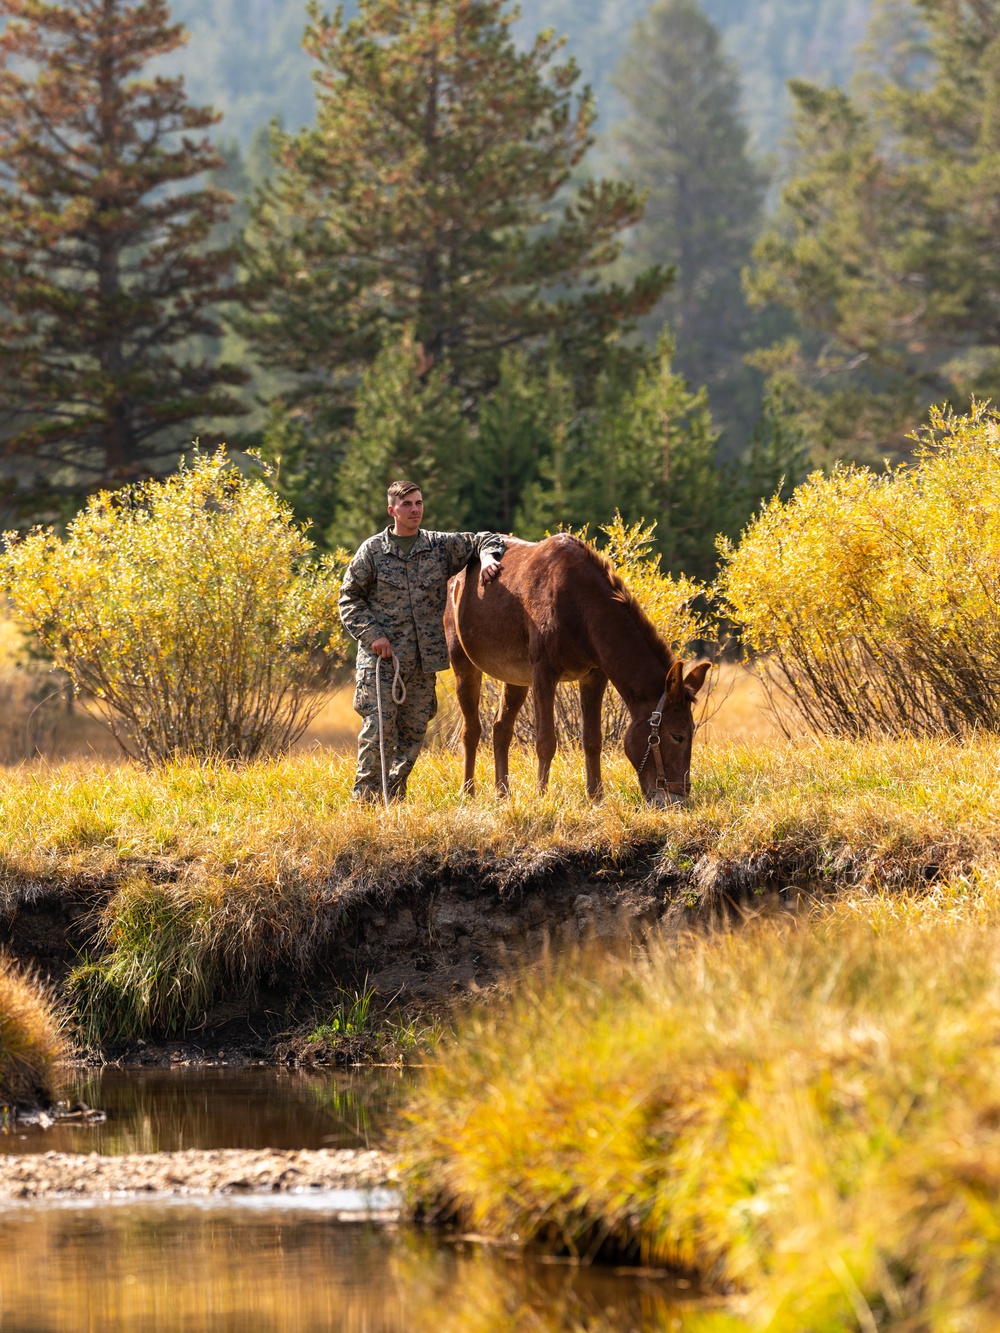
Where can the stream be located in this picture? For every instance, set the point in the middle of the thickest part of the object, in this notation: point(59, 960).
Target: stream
point(266, 1262)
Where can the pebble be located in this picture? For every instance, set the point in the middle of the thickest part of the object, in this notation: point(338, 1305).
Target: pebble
point(221, 1171)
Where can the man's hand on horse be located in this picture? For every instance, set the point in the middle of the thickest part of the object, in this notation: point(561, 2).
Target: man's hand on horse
point(382, 648)
point(491, 567)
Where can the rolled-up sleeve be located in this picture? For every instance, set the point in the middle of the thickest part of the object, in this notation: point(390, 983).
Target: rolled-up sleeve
point(356, 613)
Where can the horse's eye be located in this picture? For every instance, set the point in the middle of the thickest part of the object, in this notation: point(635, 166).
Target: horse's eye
point(677, 737)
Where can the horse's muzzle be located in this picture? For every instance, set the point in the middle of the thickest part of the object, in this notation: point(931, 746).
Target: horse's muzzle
point(663, 800)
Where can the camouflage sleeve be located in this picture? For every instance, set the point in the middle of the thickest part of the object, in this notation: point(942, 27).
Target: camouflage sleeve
point(358, 618)
point(462, 546)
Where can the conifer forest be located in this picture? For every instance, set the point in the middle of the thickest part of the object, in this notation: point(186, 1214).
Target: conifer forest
point(553, 261)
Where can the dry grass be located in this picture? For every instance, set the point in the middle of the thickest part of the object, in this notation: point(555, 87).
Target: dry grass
point(31, 1040)
point(215, 875)
point(738, 709)
point(802, 1113)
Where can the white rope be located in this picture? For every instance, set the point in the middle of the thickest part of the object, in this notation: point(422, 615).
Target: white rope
point(398, 684)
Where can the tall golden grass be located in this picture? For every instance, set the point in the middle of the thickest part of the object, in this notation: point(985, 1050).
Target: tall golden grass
point(213, 875)
point(802, 1113)
point(31, 1038)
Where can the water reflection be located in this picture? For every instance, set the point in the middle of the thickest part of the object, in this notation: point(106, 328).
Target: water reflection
point(167, 1110)
point(147, 1267)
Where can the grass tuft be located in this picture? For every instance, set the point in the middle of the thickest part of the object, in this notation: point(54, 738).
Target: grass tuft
point(802, 1113)
point(31, 1039)
point(350, 1016)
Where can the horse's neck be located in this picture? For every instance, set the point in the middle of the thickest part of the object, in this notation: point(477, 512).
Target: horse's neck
point(629, 661)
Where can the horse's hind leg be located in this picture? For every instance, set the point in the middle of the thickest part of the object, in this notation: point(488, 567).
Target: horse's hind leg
point(468, 684)
point(592, 690)
point(511, 702)
point(543, 694)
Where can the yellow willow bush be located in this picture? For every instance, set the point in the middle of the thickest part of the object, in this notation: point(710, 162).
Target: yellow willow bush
point(669, 603)
point(189, 609)
point(875, 596)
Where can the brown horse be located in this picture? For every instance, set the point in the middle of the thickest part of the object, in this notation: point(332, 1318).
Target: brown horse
point(559, 612)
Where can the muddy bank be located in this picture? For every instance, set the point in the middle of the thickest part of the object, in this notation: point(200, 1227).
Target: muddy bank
point(418, 950)
point(194, 1173)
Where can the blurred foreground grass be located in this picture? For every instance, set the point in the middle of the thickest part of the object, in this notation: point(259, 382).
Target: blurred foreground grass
point(31, 1039)
point(211, 876)
point(802, 1113)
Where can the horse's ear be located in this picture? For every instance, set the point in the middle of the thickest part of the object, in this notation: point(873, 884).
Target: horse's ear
point(695, 679)
point(675, 684)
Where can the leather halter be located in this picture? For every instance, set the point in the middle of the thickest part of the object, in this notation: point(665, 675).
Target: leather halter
point(653, 748)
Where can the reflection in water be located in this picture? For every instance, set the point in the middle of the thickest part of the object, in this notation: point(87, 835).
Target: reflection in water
point(143, 1266)
point(182, 1268)
point(166, 1110)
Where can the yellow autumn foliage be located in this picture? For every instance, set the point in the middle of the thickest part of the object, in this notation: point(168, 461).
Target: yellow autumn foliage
point(188, 608)
point(875, 595)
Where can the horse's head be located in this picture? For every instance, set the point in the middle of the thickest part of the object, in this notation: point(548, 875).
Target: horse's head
point(659, 742)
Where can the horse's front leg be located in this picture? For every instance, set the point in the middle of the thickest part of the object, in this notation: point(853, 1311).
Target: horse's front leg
point(592, 690)
point(511, 701)
point(468, 684)
point(543, 694)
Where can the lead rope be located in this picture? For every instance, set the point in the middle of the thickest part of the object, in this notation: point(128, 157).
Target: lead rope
point(398, 699)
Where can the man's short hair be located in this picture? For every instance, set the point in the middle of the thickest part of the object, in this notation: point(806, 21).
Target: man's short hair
point(400, 488)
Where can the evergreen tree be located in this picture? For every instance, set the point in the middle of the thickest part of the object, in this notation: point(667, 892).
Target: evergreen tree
point(885, 245)
point(106, 279)
point(646, 449)
point(408, 423)
point(518, 425)
point(435, 193)
point(685, 143)
point(776, 461)
point(551, 500)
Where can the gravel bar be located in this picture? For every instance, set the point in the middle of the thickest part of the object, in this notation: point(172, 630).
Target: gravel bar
point(224, 1171)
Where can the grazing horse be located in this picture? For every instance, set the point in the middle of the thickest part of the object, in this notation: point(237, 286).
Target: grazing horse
point(559, 612)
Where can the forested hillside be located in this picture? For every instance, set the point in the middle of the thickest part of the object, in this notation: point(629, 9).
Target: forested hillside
point(245, 55)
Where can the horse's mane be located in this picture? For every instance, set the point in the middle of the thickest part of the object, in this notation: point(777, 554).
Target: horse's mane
point(621, 593)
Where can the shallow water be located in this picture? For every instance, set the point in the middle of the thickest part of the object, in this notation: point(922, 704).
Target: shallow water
point(273, 1263)
point(147, 1266)
point(167, 1110)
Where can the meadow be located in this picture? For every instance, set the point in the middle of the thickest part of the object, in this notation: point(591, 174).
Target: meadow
point(209, 877)
point(788, 1092)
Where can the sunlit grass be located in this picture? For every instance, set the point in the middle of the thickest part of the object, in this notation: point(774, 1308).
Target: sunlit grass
point(213, 875)
point(31, 1039)
point(804, 1113)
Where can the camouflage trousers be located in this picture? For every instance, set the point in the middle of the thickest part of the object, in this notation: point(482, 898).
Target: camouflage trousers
point(404, 726)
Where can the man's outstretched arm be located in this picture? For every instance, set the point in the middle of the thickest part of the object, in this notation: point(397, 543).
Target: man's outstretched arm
point(490, 547)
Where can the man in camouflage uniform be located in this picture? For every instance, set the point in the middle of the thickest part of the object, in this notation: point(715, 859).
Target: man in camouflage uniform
point(392, 601)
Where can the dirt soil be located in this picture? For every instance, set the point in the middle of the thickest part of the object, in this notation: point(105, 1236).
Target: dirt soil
point(78, 1175)
point(421, 950)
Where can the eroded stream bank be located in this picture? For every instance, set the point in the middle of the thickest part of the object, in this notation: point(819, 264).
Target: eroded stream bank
point(416, 949)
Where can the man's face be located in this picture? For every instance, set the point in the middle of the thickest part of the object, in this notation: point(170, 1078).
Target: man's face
point(407, 514)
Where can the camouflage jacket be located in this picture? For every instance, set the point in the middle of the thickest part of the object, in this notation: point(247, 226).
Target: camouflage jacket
point(402, 598)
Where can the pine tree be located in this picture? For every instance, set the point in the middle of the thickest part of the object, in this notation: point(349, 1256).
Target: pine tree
point(885, 244)
point(408, 424)
point(646, 449)
point(776, 461)
point(107, 279)
point(436, 192)
point(516, 431)
point(684, 141)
